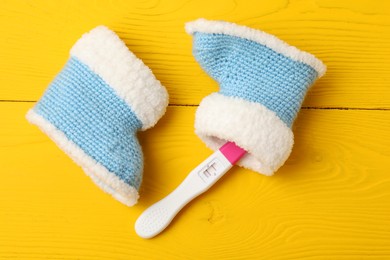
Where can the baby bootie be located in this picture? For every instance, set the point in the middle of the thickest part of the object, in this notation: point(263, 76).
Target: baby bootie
point(263, 82)
point(94, 107)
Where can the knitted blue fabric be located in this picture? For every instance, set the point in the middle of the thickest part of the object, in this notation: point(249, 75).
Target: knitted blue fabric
point(94, 108)
point(254, 72)
point(82, 106)
point(263, 82)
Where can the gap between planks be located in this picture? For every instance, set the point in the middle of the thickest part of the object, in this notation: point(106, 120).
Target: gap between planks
point(195, 105)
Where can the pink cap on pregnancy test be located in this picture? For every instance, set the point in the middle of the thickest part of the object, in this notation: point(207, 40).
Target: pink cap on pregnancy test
point(232, 152)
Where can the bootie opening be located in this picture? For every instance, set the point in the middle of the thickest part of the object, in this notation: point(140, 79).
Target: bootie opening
point(251, 126)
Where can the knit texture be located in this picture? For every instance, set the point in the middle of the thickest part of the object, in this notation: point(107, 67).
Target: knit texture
point(94, 124)
point(254, 72)
point(90, 114)
point(258, 74)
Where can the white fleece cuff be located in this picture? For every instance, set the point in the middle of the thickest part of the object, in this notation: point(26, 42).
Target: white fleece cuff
point(107, 55)
point(250, 125)
point(105, 179)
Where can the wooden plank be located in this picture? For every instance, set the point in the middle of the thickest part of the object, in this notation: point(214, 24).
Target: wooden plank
point(352, 37)
point(330, 201)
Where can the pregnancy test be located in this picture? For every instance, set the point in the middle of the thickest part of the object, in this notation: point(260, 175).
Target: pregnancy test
point(158, 216)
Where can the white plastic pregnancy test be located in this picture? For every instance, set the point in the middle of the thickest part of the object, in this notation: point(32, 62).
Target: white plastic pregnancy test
point(158, 216)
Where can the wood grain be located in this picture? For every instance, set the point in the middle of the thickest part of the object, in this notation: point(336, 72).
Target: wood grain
point(330, 201)
point(351, 37)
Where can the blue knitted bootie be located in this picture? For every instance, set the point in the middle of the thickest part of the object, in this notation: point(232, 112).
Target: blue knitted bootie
point(263, 82)
point(94, 107)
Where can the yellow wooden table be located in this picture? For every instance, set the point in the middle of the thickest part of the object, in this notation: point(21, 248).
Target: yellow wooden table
point(331, 200)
